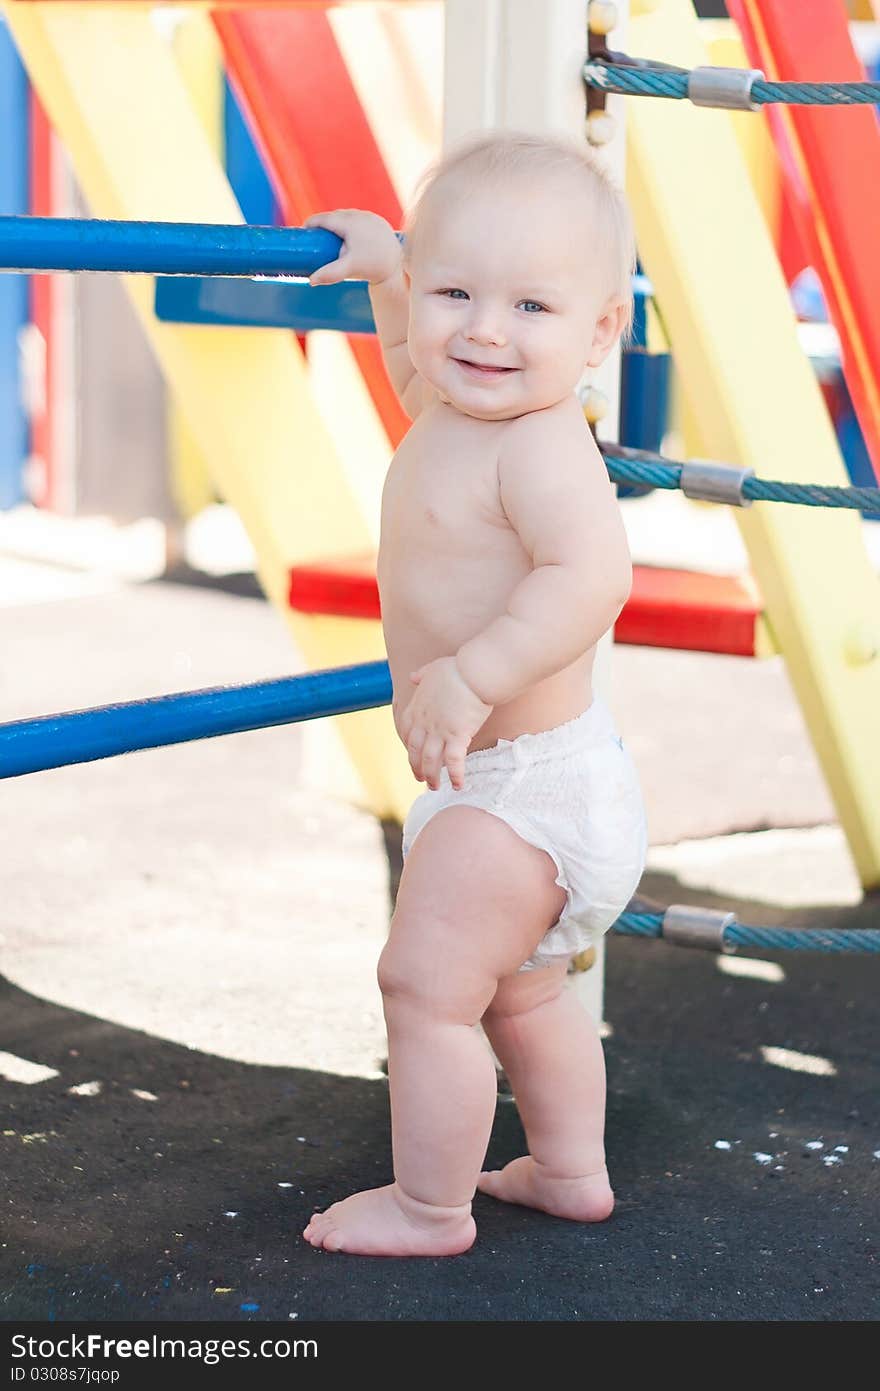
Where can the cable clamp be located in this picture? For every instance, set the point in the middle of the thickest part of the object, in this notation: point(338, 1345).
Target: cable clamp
point(700, 478)
point(687, 926)
point(729, 88)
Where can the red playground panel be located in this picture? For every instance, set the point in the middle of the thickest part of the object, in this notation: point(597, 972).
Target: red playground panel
point(345, 586)
point(44, 312)
point(830, 163)
point(691, 611)
point(315, 140)
point(667, 608)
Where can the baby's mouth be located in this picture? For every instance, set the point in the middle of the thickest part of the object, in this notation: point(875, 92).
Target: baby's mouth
point(484, 371)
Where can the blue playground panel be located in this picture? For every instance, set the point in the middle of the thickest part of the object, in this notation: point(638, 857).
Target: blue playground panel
point(853, 448)
point(644, 400)
point(644, 387)
point(14, 311)
point(244, 167)
point(266, 304)
point(809, 305)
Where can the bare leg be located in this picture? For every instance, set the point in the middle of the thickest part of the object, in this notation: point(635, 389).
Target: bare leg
point(552, 1054)
point(474, 901)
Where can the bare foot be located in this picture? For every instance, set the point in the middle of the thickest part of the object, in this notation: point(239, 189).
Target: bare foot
point(587, 1198)
point(387, 1222)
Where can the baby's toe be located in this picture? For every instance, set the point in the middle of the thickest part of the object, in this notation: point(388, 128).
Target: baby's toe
point(316, 1225)
point(488, 1180)
point(333, 1240)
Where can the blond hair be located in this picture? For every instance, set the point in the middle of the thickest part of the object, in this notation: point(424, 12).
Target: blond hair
point(499, 156)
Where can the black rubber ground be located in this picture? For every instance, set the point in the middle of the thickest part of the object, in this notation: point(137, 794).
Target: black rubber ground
point(191, 1207)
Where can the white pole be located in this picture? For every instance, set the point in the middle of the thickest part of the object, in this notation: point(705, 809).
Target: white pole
point(517, 64)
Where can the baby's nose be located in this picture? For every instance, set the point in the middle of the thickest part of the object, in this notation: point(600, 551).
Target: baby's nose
point(485, 329)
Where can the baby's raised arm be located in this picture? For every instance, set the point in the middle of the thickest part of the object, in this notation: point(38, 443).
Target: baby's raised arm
point(557, 496)
point(372, 252)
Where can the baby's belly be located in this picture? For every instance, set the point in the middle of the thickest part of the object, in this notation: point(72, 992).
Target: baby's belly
point(549, 703)
point(416, 634)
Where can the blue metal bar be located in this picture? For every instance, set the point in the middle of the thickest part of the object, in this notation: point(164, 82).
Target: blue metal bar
point(82, 736)
point(265, 303)
point(162, 248)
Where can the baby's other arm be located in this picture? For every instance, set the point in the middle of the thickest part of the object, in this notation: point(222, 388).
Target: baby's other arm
point(557, 496)
point(390, 302)
point(371, 251)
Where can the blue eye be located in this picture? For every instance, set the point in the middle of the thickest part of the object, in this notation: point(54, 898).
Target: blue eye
point(534, 302)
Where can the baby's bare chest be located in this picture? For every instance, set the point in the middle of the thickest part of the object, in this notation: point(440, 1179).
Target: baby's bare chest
point(444, 534)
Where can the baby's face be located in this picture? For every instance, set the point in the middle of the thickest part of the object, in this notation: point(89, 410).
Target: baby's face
point(504, 282)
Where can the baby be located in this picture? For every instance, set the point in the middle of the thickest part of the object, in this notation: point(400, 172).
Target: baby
point(502, 561)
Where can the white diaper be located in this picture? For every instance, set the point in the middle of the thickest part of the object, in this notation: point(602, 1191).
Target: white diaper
point(574, 792)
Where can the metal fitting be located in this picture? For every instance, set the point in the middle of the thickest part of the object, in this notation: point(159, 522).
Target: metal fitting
point(709, 482)
point(602, 17)
point(687, 926)
point(584, 960)
point(594, 404)
point(600, 127)
point(729, 88)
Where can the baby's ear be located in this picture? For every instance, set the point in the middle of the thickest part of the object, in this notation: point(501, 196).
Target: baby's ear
point(610, 324)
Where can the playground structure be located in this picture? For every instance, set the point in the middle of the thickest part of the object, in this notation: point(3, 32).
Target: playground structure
point(305, 477)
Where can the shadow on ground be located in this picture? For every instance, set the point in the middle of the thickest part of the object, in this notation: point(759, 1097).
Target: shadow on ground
point(190, 1206)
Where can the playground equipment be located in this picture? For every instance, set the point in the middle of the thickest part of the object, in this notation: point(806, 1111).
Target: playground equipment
point(749, 388)
point(757, 403)
point(824, 156)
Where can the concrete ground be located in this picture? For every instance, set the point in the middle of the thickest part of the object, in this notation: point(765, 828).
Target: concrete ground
point(192, 1036)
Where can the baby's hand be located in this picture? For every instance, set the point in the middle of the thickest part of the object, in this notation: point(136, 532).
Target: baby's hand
point(439, 722)
point(370, 250)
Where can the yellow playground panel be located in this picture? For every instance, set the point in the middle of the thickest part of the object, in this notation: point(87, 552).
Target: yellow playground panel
point(726, 309)
point(197, 53)
point(725, 49)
